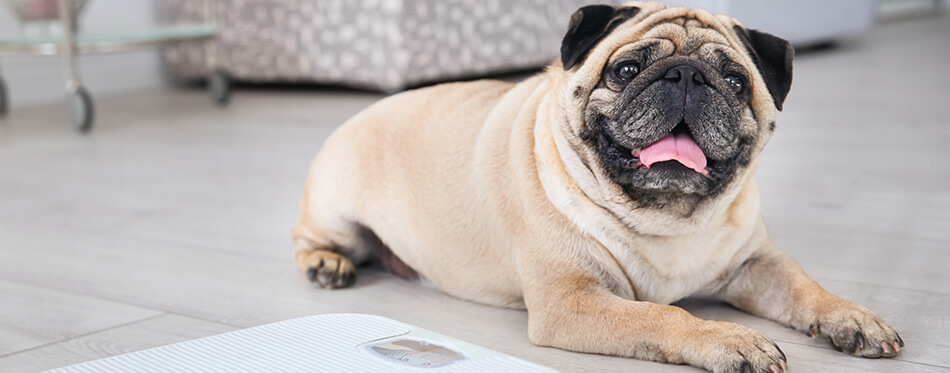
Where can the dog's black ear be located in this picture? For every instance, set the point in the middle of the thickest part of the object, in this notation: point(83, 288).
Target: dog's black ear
point(588, 25)
point(773, 57)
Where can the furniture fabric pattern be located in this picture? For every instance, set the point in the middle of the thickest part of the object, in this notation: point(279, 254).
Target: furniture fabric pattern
point(386, 45)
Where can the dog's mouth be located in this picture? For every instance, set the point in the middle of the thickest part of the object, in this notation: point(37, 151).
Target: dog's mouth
point(676, 150)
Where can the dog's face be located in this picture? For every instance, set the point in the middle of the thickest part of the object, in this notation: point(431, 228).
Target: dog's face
point(671, 112)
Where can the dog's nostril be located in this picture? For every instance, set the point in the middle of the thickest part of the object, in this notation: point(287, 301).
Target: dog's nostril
point(698, 78)
point(685, 74)
point(673, 75)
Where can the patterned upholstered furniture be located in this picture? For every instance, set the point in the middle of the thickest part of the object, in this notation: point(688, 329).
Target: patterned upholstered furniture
point(386, 45)
point(393, 44)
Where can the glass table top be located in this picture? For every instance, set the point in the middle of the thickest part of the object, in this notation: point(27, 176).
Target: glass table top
point(158, 35)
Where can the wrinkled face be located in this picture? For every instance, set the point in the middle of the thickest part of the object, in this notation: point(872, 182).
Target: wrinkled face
point(671, 115)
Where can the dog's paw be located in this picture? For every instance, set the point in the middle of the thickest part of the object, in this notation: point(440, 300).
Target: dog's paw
point(328, 269)
point(858, 331)
point(729, 347)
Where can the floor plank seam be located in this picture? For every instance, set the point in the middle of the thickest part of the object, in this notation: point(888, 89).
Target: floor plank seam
point(186, 245)
point(831, 349)
point(121, 302)
point(81, 335)
point(947, 367)
point(918, 291)
point(205, 319)
point(81, 294)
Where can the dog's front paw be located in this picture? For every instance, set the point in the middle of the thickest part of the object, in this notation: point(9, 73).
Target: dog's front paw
point(858, 331)
point(729, 347)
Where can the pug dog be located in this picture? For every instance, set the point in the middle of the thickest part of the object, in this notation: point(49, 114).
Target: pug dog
point(593, 194)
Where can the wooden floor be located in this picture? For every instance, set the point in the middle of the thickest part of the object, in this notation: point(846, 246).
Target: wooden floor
point(172, 220)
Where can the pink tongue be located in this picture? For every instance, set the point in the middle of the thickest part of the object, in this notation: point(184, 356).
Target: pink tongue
point(680, 148)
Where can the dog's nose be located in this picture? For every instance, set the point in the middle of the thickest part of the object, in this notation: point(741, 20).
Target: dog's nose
point(686, 77)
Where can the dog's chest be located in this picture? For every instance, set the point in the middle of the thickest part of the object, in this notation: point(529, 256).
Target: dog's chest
point(666, 269)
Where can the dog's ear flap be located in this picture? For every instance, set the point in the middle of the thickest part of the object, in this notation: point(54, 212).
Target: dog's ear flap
point(588, 25)
point(773, 57)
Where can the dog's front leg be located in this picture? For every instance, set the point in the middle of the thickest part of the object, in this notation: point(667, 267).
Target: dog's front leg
point(771, 285)
point(572, 309)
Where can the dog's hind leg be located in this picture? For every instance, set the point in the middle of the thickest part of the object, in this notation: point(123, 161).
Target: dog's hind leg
point(326, 268)
point(327, 246)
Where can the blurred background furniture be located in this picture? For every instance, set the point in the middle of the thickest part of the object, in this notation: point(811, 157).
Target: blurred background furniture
point(386, 45)
point(49, 27)
point(390, 45)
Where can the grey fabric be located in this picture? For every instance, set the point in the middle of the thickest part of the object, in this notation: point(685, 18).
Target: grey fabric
point(379, 44)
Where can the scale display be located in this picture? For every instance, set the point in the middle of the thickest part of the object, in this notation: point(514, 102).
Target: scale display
point(416, 353)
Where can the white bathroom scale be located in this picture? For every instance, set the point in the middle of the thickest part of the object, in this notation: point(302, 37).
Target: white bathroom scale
point(322, 343)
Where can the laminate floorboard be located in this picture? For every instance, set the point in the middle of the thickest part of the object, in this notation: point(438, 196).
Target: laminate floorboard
point(33, 316)
point(160, 330)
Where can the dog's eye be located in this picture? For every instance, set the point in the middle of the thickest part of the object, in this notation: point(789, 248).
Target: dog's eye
point(627, 71)
point(735, 82)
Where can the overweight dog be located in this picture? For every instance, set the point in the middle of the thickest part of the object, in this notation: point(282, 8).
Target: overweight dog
point(593, 194)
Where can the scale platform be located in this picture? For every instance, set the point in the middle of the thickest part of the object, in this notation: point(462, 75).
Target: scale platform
point(322, 343)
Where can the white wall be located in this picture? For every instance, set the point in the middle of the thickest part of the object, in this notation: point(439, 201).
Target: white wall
point(802, 22)
point(35, 79)
point(896, 9)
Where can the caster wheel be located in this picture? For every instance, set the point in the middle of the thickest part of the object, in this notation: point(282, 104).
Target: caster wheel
point(4, 99)
point(219, 87)
point(81, 110)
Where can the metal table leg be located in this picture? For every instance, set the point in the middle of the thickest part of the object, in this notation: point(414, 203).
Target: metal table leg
point(219, 82)
point(4, 97)
point(80, 102)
